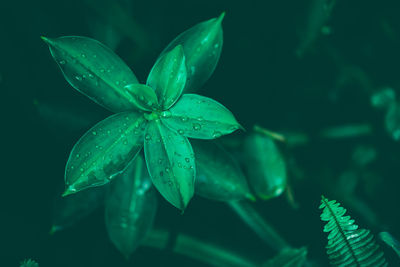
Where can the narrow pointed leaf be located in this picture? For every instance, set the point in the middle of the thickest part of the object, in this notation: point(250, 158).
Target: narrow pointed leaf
point(200, 117)
point(94, 70)
point(170, 161)
point(143, 95)
point(168, 77)
point(265, 166)
point(202, 45)
point(104, 151)
point(291, 257)
point(131, 205)
point(71, 209)
point(390, 241)
point(218, 175)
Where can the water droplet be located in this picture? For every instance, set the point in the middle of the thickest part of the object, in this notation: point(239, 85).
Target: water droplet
point(83, 55)
point(167, 169)
point(108, 132)
point(161, 173)
point(102, 70)
point(217, 134)
point(179, 165)
point(77, 156)
point(187, 160)
point(79, 78)
point(184, 119)
point(196, 126)
point(81, 169)
point(91, 76)
point(94, 133)
point(62, 62)
point(192, 69)
point(160, 161)
point(117, 82)
point(181, 132)
point(147, 137)
point(125, 142)
point(166, 114)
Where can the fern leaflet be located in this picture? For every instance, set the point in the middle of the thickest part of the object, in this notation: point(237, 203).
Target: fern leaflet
point(348, 245)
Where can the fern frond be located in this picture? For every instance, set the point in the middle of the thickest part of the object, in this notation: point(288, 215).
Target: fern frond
point(348, 245)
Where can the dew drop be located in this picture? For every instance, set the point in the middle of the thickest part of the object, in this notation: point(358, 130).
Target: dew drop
point(62, 62)
point(196, 126)
point(147, 137)
point(79, 78)
point(181, 132)
point(187, 160)
point(167, 169)
point(184, 119)
point(91, 76)
point(83, 55)
point(94, 133)
point(166, 114)
point(217, 134)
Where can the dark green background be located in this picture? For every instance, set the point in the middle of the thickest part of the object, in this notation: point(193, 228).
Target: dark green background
point(259, 78)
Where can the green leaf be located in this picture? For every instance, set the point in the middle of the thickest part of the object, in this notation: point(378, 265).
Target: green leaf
point(168, 77)
point(71, 209)
point(390, 241)
point(290, 257)
point(348, 245)
point(170, 161)
point(202, 45)
point(104, 151)
point(200, 117)
point(392, 121)
point(143, 95)
point(131, 206)
point(94, 70)
point(265, 166)
point(218, 175)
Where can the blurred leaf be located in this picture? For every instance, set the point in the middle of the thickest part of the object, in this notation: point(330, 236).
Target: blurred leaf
point(168, 77)
point(265, 166)
point(218, 176)
point(170, 161)
point(384, 98)
point(200, 117)
point(346, 131)
point(131, 205)
point(71, 209)
point(202, 45)
point(143, 95)
point(392, 121)
point(29, 263)
point(390, 241)
point(291, 257)
point(94, 70)
point(104, 151)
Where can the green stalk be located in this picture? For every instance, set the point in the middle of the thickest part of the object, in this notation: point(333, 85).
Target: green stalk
point(197, 249)
point(259, 225)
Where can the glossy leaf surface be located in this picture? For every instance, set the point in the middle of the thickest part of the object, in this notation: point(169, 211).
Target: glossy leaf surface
point(94, 70)
point(265, 166)
point(202, 45)
point(168, 77)
point(104, 151)
point(170, 161)
point(200, 117)
point(218, 175)
point(131, 205)
point(144, 96)
point(71, 209)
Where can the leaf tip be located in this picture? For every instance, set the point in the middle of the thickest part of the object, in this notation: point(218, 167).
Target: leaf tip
point(69, 191)
point(221, 17)
point(45, 39)
point(251, 197)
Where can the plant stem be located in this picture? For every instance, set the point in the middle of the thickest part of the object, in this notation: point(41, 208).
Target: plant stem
point(197, 249)
point(260, 226)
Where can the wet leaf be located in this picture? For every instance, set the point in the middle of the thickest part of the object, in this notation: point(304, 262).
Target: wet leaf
point(202, 45)
point(291, 257)
point(170, 161)
point(131, 205)
point(143, 95)
point(265, 166)
point(168, 77)
point(200, 117)
point(104, 151)
point(94, 70)
point(218, 175)
point(71, 209)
